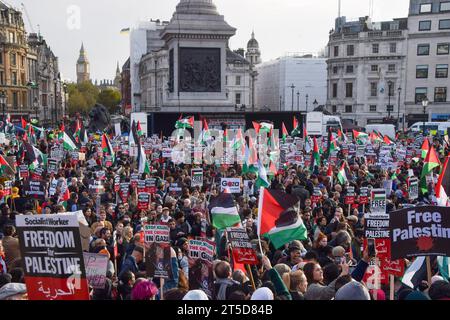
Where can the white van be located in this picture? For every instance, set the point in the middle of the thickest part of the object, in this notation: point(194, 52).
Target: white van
point(432, 127)
point(384, 129)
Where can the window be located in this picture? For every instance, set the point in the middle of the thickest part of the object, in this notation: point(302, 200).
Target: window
point(442, 71)
point(375, 48)
point(421, 93)
point(44, 100)
point(336, 51)
point(15, 101)
point(425, 25)
point(14, 78)
point(443, 48)
point(334, 109)
point(22, 79)
point(445, 6)
point(373, 108)
point(425, 8)
point(2, 79)
point(393, 48)
point(238, 98)
point(335, 86)
point(391, 68)
point(421, 71)
point(12, 37)
point(238, 80)
point(444, 24)
point(440, 94)
point(349, 69)
point(423, 49)
point(349, 109)
point(1, 57)
point(335, 70)
point(350, 50)
point(226, 80)
point(13, 59)
point(374, 68)
point(373, 89)
point(349, 90)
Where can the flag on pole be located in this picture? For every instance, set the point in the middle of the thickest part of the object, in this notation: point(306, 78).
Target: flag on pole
point(386, 140)
point(143, 166)
point(284, 132)
point(262, 180)
point(431, 162)
point(342, 177)
point(443, 185)
point(224, 213)
point(107, 147)
point(139, 129)
point(277, 220)
point(315, 158)
point(68, 143)
point(186, 123)
point(425, 148)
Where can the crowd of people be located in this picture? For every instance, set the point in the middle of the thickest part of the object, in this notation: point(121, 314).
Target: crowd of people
point(329, 264)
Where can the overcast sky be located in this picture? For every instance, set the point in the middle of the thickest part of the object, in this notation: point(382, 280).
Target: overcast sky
point(280, 26)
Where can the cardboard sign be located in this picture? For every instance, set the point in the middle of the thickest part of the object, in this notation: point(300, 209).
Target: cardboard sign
point(420, 231)
point(57, 152)
point(7, 188)
point(141, 186)
point(96, 267)
point(364, 195)
point(124, 191)
point(378, 203)
point(233, 184)
point(242, 249)
point(350, 196)
point(197, 177)
point(249, 188)
point(413, 188)
point(200, 259)
point(143, 201)
point(116, 183)
point(158, 260)
point(377, 221)
point(150, 185)
point(134, 180)
point(37, 173)
point(35, 189)
point(53, 166)
point(52, 257)
point(23, 171)
point(315, 198)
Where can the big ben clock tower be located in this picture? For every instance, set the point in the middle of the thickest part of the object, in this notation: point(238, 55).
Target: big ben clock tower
point(83, 67)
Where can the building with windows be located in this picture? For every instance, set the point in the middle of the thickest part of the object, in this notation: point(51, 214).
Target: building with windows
point(428, 60)
point(292, 83)
point(367, 70)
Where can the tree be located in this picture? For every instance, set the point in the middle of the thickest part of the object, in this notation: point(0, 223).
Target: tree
point(77, 103)
point(110, 99)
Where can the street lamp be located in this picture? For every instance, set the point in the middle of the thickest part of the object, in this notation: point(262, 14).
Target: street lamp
point(398, 109)
point(3, 102)
point(315, 104)
point(35, 106)
point(292, 87)
point(307, 96)
point(298, 101)
point(424, 105)
point(390, 83)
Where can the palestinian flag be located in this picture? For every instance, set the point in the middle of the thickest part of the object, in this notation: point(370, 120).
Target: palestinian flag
point(68, 143)
point(272, 170)
point(342, 177)
point(416, 273)
point(64, 196)
point(205, 133)
point(4, 165)
point(143, 166)
point(425, 148)
point(276, 220)
point(224, 213)
point(442, 188)
point(24, 123)
point(296, 130)
point(186, 123)
point(266, 126)
point(139, 129)
point(315, 158)
point(342, 136)
point(444, 267)
point(359, 135)
point(284, 132)
point(77, 133)
point(239, 143)
point(262, 180)
point(249, 162)
point(431, 162)
point(386, 140)
point(330, 173)
point(133, 138)
point(107, 147)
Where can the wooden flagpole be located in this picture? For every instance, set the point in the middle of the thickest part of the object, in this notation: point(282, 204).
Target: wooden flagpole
point(428, 261)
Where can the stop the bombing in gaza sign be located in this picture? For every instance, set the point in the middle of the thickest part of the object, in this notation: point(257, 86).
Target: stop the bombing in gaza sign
point(420, 231)
point(52, 257)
